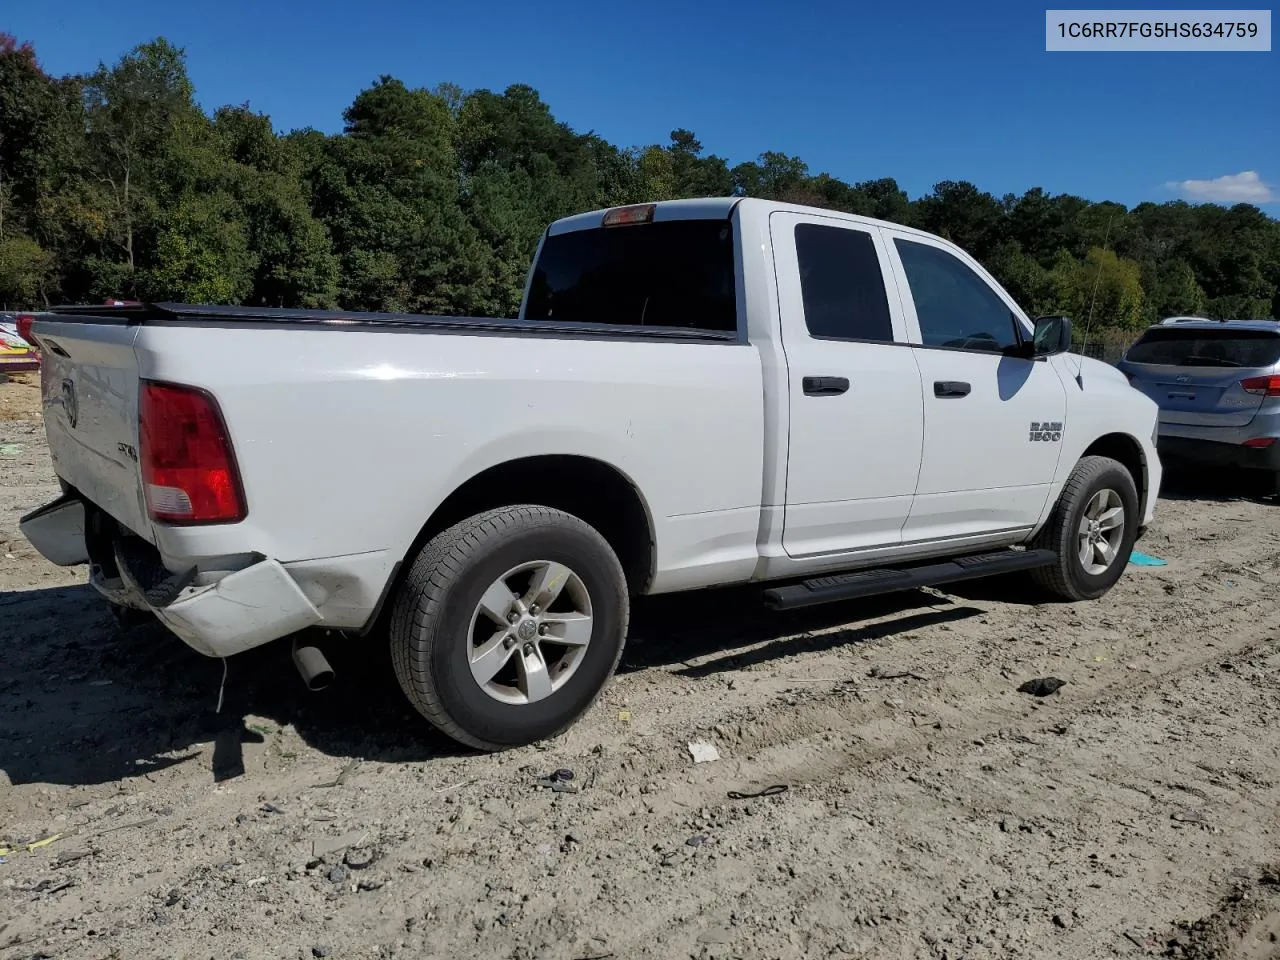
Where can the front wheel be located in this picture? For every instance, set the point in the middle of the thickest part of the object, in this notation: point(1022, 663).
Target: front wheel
point(509, 625)
point(1092, 531)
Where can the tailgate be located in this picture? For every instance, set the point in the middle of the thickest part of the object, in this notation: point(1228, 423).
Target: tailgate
point(90, 397)
point(1200, 395)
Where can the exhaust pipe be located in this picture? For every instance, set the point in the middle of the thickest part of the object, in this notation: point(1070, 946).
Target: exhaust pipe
point(312, 665)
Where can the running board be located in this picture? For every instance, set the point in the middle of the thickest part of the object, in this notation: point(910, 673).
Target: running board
point(867, 583)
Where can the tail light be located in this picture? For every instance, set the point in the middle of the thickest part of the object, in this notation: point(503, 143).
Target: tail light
point(189, 470)
point(24, 322)
point(1260, 443)
point(1262, 386)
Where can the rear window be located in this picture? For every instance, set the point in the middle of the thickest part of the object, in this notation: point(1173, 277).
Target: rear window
point(677, 273)
point(1209, 348)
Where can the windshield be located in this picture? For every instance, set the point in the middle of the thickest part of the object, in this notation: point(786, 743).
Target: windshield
point(1172, 346)
point(677, 273)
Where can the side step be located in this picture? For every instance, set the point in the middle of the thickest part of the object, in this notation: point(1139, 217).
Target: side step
point(867, 583)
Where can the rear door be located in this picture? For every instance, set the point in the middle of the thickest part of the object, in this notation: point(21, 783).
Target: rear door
point(1194, 374)
point(856, 418)
point(994, 423)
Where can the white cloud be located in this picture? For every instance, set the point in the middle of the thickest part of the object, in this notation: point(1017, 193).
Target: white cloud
point(1245, 187)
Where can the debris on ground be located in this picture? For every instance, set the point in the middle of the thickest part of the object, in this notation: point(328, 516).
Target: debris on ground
point(127, 826)
point(769, 791)
point(876, 673)
point(1138, 939)
point(558, 781)
point(1042, 686)
point(322, 847)
point(1145, 560)
point(341, 778)
point(703, 752)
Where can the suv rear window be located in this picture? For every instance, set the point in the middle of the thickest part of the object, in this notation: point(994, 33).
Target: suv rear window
point(677, 273)
point(1208, 348)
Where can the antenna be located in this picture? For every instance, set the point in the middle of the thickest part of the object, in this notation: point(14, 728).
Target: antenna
point(1093, 300)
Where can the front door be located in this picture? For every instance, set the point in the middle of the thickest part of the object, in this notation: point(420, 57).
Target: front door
point(993, 422)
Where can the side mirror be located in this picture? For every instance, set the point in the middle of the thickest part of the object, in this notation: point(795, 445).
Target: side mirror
point(1052, 336)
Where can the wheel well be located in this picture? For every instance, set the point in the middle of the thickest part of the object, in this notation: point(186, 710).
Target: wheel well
point(1128, 452)
point(590, 490)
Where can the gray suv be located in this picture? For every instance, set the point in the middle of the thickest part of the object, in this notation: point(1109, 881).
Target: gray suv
point(1217, 384)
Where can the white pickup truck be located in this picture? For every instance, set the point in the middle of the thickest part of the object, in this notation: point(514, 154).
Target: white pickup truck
point(695, 393)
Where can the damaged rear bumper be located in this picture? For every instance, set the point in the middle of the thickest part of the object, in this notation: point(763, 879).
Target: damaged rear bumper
point(242, 609)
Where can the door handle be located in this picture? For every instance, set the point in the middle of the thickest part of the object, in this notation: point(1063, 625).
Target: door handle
point(950, 388)
point(825, 386)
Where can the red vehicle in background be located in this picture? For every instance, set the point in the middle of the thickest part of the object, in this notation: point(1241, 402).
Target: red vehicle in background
point(16, 350)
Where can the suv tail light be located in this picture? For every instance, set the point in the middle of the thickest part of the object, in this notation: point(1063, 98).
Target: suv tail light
point(1262, 386)
point(1260, 443)
point(188, 468)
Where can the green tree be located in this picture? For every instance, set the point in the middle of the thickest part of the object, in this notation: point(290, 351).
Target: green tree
point(390, 195)
point(291, 251)
point(202, 254)
point(131, 111)
point(696, 175)
point(960, 212)
point(25, 271)
point(1103, 290)
point(521, 169)
point(772, 176)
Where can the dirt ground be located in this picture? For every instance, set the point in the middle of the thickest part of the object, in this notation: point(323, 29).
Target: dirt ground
point(933, 811)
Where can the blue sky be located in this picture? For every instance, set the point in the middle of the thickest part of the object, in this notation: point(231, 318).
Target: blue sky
point(920, 92)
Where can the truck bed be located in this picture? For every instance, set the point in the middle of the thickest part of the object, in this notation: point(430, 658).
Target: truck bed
point(347, 444)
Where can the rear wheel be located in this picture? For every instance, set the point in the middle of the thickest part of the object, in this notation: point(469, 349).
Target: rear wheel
point(1092, 531)
point(508, 626)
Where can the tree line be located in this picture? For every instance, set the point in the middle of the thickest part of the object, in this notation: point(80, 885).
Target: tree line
point(116, 184)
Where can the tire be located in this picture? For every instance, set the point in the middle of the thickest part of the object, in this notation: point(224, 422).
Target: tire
point(1068, 578)
point(439, 625)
